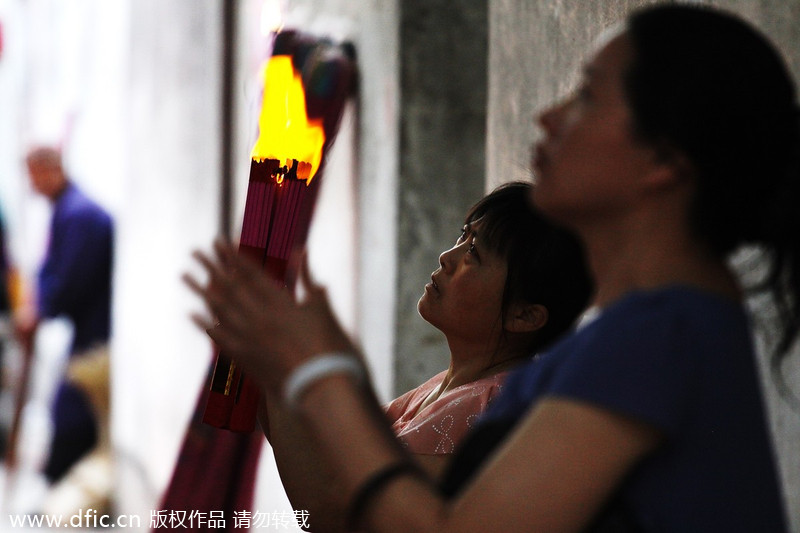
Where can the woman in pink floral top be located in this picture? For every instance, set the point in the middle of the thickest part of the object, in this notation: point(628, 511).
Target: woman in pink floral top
point(510, 285)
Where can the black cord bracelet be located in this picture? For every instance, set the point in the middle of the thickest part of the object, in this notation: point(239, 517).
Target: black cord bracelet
point(373, 486)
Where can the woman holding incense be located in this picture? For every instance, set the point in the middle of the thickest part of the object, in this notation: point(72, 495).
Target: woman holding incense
point(680, 146)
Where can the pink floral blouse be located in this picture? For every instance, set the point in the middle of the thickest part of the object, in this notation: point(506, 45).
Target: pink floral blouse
point(439, 427)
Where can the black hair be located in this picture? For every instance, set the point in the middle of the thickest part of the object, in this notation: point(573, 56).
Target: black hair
point(546, 263)
point(707, 85)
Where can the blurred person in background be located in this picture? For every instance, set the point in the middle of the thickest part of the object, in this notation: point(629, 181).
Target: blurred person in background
point(74, 282)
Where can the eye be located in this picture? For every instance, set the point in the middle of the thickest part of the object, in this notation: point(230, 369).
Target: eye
point(463, 236)
point(472, 250)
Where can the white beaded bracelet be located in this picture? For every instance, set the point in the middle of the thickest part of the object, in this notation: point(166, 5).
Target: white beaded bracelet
point(316, 368)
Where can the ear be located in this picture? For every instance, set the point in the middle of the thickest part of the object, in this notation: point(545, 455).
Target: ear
point(670, 166)
point(526, 318)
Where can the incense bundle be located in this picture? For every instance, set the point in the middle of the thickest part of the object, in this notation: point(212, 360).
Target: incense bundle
point(307, 82)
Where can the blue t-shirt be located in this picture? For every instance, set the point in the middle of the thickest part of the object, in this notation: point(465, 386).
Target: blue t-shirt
point(680, 360)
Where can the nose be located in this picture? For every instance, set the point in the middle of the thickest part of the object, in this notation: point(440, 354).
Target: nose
point(549, 118)
point(446, 258)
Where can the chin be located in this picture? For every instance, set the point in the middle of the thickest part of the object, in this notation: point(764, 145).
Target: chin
point(548, 208)
point(421, 306)
point(423, 311)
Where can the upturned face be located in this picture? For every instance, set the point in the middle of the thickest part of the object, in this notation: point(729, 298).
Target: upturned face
point(589, 161)
point(464, 297)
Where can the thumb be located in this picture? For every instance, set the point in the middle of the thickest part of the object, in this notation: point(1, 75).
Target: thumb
point(311, 287)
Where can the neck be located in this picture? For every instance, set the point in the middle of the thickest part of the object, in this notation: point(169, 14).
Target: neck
point(649, 254)
point(57, 190)
point(470, 363)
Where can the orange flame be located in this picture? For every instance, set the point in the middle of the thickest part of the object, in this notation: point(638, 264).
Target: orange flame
point(285, 133)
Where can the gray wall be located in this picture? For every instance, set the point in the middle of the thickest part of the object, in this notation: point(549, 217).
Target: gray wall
point(536, 48)
point(535, 53)
point(442, 159)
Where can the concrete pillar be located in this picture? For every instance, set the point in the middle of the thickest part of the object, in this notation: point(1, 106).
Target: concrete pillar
point(442, 159)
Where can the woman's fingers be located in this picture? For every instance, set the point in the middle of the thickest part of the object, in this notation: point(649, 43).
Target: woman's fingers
point(223, 298)
point(235, 264)
point(204, 322)
point(237, 291)
point(255, 320)
point(306, 281)
point(193, 284)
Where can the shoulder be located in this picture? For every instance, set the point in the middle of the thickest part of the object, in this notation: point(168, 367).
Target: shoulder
point(654, 353)
point(398, 407)
point(674, 319)
point(677, 300)
point(440, 427)
point(76, 207)
point(651, 349)
point(75, 201)
point(466, 402)
point(484, 390)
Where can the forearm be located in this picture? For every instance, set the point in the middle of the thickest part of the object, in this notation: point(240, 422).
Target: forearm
point(355, 441)
point(308, 481)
